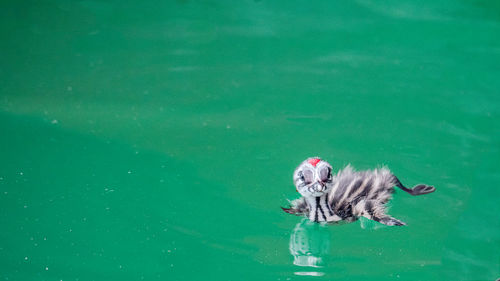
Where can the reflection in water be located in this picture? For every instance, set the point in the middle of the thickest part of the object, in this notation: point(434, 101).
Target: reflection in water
point(309, 244)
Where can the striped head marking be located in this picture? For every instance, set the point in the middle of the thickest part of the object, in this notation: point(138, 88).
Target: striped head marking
point(313, 177)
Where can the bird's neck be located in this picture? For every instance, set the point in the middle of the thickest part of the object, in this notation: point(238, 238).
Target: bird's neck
point(320, 210)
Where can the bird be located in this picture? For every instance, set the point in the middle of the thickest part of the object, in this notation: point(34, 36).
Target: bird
point(348, 195)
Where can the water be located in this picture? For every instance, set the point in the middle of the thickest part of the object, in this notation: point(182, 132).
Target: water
point(157, 141)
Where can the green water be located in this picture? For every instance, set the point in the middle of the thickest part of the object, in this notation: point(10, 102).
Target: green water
point(157, 141)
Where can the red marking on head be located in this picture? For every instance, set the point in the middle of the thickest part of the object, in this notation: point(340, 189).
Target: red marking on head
point(314, 161)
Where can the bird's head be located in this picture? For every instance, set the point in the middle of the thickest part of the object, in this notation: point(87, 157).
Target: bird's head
point(313, 177)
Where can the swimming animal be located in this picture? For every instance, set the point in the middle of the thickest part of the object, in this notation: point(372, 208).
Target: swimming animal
point(347, 195)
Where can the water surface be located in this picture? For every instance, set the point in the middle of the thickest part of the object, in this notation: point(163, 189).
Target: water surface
point(156, 141)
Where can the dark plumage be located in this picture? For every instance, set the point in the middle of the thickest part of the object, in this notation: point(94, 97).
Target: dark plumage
point(347, 195)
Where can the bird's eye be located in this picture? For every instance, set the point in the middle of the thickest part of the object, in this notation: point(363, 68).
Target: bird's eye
point(307, 176)
point(325, 174)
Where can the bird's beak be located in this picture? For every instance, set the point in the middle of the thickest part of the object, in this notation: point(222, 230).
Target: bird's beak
point(319, 187)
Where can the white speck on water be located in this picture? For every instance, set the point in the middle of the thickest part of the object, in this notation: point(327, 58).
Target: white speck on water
point(129, 172)
point(171, 265)
point(25, 206)
point(46, 268)
point(54, 121)
point(21, 173)
point(228, 126)
point(69, 88)
point(25, 258)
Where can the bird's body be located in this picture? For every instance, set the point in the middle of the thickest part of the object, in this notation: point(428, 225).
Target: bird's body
point(346, 196)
